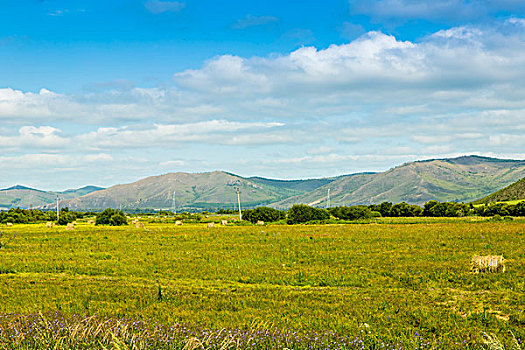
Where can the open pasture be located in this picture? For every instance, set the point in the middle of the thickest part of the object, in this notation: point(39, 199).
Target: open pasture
point(396, 284)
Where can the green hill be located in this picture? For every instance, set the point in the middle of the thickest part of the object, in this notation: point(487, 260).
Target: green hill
point(513, 192)
point(187, 191)
point(461, 179)
point(25, 197)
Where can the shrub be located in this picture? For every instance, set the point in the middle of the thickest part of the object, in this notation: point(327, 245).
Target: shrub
point(263, 214)
point(66, 218)
point(405, 210)
point(355, 212)
point(111, 217)
point(301, 213)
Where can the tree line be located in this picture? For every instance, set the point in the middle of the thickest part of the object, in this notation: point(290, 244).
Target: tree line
point(299, 213)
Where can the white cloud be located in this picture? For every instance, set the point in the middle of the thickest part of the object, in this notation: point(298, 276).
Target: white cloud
point(173, 163)
point(375, 100)
point(174, 135)
point(31, 136)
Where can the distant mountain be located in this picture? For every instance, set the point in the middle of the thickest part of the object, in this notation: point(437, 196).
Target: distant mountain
point(461, 179)
point(25, 197)
point(187, 191)
point(79, 191)
point(515, 191)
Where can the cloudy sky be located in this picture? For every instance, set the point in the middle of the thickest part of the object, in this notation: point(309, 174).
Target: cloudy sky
point(106, 92)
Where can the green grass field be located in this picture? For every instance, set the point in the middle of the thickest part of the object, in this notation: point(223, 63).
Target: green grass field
point(407, 283)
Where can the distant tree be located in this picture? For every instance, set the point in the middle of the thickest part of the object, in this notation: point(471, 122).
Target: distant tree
point(355, 212)
point(111, 217)
point(118, 219)
point(66, 217)
point(383, 208)
point(519, 209)
point(301, 213)
point(404, 209)
point(265, 214)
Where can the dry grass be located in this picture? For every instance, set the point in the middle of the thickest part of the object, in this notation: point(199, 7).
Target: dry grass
point(488, 263)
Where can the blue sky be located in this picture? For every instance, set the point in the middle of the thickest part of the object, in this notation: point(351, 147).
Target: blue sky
point(106, 92)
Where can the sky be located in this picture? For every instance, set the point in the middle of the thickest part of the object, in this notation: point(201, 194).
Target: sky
point(107, 92)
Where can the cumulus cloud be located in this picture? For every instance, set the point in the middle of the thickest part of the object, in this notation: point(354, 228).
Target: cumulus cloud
point(456, 89)
point(31, 136)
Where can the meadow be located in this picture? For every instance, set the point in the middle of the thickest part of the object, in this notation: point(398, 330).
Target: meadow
point(391, 283)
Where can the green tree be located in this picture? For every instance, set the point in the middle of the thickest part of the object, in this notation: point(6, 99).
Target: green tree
point(111, 217)
point(301, 213)
point(265, 214)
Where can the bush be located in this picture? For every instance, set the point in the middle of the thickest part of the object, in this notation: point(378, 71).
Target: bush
point(301, 213)
point(405, 210)
point(355, 212)
point(383, 208)
point(66, 218)
point(111, 217)
point(445, 209)
point(263, 214)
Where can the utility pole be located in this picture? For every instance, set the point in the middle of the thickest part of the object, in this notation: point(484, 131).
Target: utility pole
point(58, 210)
point(174, 204)
point(239, 201)
point(328, 199)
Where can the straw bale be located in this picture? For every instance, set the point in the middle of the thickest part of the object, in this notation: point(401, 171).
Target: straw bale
point(488, 263)
point(178, 223)
point(49, 224)
point(70, 226)
point(224, 222)
point(211, 224)
point(260, 222)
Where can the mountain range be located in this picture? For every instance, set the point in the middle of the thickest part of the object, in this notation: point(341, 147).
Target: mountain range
point(461, 179)
point(25, 197)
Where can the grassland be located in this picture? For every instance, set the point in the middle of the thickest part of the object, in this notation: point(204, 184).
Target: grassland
point(400, 283)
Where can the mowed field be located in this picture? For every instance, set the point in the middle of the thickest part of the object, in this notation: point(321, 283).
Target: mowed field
point(388, 284)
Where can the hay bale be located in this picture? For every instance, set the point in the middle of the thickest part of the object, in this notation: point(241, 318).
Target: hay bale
point(488, 263)
point(260, 222)
point(70, 226)
point(9, 224)
point(49, 224)
point(211, 224)
point(178, 223)
point(134, 221)
point(139, 224)
point(224, 222)
point(91, 222)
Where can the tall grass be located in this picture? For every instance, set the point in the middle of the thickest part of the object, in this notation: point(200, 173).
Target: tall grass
point(410, 283)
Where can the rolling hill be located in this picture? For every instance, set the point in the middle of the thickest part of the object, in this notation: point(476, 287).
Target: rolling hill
point(200, 191)
point(25, 197)
point(513, 192)
point(461, 179)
